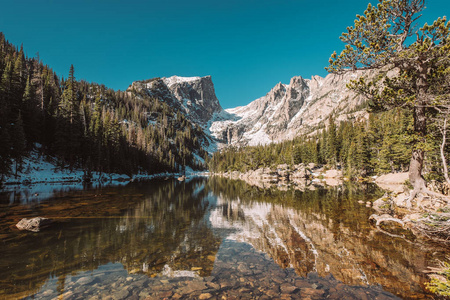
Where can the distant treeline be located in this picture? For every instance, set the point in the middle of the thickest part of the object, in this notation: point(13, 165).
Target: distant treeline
point(86, 124)
point(377, 145)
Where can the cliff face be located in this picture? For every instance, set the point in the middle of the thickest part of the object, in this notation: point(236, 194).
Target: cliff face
point(194, 96)
point(289, 110)
point(286, 111)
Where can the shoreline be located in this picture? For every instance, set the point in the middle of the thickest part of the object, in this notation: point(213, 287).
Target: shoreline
point(394, 213)
point(37, 169)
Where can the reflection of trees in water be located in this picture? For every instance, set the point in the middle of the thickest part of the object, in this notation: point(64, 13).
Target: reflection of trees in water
point(144, 226)
point(331, 223)
point(148, 226)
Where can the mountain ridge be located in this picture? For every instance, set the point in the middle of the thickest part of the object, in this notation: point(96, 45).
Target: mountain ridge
point(286, 111)
point(195, 96)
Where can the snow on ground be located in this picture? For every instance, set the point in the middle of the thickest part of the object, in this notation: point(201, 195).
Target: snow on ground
point(211, 145)
point(36, 169)
point(35, 193)
point(44, 173)
point(198, 158)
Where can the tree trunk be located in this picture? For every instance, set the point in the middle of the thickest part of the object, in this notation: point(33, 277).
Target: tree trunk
point(442, 148)
point(420, 129)
point(415, 170)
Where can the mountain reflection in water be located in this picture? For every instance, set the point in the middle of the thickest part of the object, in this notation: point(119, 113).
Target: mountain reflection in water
point(170, 238)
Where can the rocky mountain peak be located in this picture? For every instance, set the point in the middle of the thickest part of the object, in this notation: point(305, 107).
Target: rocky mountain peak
point(288, 110)
point(296, 93)
point(194, 96)
point(199, 93)
point(276, 93)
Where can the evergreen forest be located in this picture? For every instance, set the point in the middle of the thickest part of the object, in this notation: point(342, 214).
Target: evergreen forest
point(373, 145)
point(408, 99)
point(87, 125)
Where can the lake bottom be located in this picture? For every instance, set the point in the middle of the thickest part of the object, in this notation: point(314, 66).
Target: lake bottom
point(239, 272)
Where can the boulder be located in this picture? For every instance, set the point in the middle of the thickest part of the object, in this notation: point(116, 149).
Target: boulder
point(401, 200)
point(235, 174)
point(300, 171)
point(332, 181)
point(384, 204)
point(283, 167)
point(333, 174)
point(258, 172)
point(298, 167)
point(34, 224)
point(299, 174)
point(392, 182)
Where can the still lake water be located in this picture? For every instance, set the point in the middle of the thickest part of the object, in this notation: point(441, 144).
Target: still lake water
point(206, 238)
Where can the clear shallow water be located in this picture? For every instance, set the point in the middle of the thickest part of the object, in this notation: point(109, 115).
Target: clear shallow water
point(206, 238)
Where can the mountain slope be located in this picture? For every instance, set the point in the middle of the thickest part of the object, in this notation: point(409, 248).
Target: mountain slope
point(194, 96)
point(90, 127)
point(288, 110)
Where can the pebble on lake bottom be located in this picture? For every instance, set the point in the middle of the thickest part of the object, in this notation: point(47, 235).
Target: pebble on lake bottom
point(231, 278)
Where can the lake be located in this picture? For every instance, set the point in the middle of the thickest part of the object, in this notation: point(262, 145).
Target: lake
point(206, 238)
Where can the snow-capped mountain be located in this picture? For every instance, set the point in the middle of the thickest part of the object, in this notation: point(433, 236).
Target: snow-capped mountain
point(285, 112)
point(288, 110)
point(194, 96)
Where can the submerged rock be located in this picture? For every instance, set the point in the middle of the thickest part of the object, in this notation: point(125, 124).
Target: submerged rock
point(384, 204)
point(34, 224)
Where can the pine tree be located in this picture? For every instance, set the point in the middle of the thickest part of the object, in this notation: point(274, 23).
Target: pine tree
point(5, 106)
point(18, 79)
point(18, 142)
point(6, 85)
point(332, 143)
point(5, 153)
point(385, 38)
point(69, 101)
point(69, 129)
point(30, 113)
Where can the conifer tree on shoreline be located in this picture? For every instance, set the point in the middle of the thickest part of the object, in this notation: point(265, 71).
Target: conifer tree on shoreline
point(409, 72)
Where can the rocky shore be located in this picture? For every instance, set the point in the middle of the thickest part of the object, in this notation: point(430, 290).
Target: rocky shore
point(423, 216)
point(396, 214)
point(38, 169)
point(284, 175)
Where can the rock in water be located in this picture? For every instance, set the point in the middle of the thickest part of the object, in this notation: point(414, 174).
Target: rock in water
point(34, 224)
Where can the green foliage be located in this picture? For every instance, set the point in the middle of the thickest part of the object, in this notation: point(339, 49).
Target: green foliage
point(411, 66)
point(361, 148)
point(87, 125)
point(440, 284)
point(378, 36)
point(409, 85)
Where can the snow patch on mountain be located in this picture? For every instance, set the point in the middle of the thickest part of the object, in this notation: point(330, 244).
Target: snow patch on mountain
point(287, 111)
point(257, 137)
point(170, 81)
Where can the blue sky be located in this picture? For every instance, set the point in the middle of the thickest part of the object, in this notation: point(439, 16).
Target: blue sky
point(246, 46)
